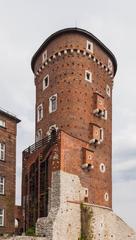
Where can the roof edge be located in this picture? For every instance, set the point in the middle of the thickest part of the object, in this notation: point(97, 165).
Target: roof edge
point(78, 30)
point(9, 115)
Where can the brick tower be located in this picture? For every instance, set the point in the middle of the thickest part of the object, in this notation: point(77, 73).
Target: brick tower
point(70, 162)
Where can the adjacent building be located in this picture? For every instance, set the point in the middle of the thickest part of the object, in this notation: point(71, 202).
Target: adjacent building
point(70, 162)
point(8, 131)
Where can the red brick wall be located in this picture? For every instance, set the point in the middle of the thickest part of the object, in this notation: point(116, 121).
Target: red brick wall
point(19, 218)
point(76, 100)
point(71, 40)
point(72, 158)
point(7, 170)
point(75, 95)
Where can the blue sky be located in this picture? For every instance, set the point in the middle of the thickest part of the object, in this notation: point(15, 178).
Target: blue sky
point(24, 25)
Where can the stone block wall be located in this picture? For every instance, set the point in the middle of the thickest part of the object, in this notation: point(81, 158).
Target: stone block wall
point(64, 219)
point(100, 223)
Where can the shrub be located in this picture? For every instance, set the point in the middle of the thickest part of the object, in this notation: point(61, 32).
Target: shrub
point(30, 231)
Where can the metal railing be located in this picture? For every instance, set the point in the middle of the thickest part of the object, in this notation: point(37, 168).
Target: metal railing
point(46, 142)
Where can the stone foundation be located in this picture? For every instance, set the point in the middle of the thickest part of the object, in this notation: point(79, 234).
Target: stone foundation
point(24, 238)
point(103, 224)
point(64, 218)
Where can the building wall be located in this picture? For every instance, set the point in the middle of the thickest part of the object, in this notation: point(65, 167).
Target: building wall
point(75, 95)
point(83, 117)
point(77, 98)
point(19, 219)
point(101, 223)
point(70, 40)
point(97, 182)
point(36, 184)
point(63, 221)
point(67, 156)
point(7, 170)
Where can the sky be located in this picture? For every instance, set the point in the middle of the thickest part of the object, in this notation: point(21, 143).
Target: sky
point(24, 25)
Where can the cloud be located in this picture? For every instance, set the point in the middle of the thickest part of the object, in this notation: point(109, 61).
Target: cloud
point(25, 25)
point(125, 166)
point(124, 199)
point(124, 152)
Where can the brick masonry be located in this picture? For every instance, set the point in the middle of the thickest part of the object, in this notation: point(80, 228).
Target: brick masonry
point(75, 95)
point(72, 158)
point(8, 170)
point(80, 164)
point(76, 101)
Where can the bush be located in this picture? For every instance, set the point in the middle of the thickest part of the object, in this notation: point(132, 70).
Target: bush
point(30, 231)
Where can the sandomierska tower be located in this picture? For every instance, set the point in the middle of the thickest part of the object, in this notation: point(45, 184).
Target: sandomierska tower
point(70, 162)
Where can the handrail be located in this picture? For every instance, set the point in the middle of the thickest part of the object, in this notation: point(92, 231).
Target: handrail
point(45, 142)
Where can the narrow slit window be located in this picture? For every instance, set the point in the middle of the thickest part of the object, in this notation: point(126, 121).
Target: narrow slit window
point(45, 82)
point(89, 46)
point(88, 76)
point(44, 56)
point(108, 90)
point(102, 167)
point(110, 65)
point(101, 134)
point(106, 197)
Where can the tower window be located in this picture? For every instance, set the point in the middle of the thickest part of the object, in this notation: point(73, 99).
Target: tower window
point(2, 182)
point(106, 197)
point(44, 56)
point(1, 217)
point(102, 167)
point(101, 134)
point(108, 90)
point(2, 123)
point(53, 103)
point(2, 151)
point(39, 112)
point(46, 82)
point(89, 46)
point(88, 76)
point(110, 65)
point(86, 192)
